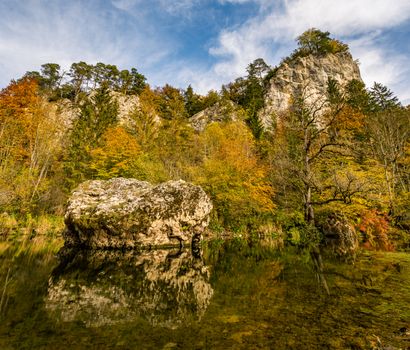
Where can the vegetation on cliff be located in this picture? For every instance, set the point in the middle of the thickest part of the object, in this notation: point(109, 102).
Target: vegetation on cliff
point(347, 151)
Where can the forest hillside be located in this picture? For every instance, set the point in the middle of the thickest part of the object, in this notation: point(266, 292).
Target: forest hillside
point(279, 151)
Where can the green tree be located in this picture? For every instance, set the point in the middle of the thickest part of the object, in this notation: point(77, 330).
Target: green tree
point(193, 103)
point(51, 76)
point(145, 119)
point(172, 104)
point(314, 41)
point(388, 127)
point(314, 131)
point(382, 99)
point(80, 74)
point(97, 113)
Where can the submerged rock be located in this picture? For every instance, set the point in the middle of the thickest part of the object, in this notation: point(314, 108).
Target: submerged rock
point(127, 213)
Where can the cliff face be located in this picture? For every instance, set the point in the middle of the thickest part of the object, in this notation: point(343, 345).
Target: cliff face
point(220, 112)
point(126, 104)
point(310, 73)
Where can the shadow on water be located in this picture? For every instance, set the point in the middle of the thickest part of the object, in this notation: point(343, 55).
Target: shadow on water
point(230, 295)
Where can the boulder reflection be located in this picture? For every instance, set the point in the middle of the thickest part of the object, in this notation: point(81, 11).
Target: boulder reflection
point(166, 288)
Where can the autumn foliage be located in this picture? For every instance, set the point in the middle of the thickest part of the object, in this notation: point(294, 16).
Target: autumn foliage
point(29, 145)
point(346, 151)
point(374, 226)
point(233, 175)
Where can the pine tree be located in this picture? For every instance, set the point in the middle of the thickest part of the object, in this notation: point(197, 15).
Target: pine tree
point(97, 113)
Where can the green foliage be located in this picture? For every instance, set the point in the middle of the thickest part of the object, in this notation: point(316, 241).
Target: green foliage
point(83, 77)
point(347, 151)
point(171, 103)
point(297, 231)
point(248, 92)
point(193, 103)
point(388, 131)
point(382, 99)
point(97, 113)
point(314, 41)
point(357, 96)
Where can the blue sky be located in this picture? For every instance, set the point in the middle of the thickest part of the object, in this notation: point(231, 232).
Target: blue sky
point(201, 42)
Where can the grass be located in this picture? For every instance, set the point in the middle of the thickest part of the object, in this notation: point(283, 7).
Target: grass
point(36, 234)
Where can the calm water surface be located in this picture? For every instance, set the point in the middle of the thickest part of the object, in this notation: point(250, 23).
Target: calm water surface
point(230, 295)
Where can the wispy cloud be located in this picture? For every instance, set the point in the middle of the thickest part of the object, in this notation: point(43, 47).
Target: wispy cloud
point(271, 35)
point(36, 32)
point(202, 42)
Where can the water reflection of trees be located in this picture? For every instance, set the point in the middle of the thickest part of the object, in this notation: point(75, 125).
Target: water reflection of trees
point(164, 287)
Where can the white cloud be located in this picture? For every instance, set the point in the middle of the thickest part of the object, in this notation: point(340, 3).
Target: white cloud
point(277, 27)
point(174, 8)
point(37, 32)
point(125, 5)
point(178, 7)
point(147, 35)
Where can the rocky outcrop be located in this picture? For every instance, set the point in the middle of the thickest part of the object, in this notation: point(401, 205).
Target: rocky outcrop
point(69, 111)
point(100, 288)
point(310, 73)
point(127, 213)
point(339, 234)
point(126, 105)
point(219, 112)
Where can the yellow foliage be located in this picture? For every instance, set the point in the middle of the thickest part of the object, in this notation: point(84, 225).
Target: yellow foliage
point(232, 174)
point(29, 144)
point(117, 155)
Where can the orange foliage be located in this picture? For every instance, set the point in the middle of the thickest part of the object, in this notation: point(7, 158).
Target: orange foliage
point(117, 155)
point(374, 227)
point(350, 119)
point(20, 114)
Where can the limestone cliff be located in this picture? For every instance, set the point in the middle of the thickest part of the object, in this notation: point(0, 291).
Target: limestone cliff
point(310, 73)
point(126, 104)
point(219, 112)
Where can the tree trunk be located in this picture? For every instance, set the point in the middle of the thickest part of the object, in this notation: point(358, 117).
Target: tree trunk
point(309, 213)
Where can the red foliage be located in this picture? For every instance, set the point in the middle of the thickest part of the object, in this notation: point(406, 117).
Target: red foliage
point(374, 227)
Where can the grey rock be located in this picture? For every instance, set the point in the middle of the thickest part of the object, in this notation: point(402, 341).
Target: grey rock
point(310, 73)
point(339, 234)
point(219, 112)
point(128, 213)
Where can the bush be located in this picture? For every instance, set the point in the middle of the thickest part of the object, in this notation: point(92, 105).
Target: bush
point(374, 227)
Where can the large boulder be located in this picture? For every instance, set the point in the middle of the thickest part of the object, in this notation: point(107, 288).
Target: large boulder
point(128, 213)
point(339, 234)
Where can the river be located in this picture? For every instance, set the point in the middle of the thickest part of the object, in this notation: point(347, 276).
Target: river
point(228, 295)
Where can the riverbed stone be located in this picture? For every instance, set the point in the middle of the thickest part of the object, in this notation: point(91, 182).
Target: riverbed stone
point(128, 213)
